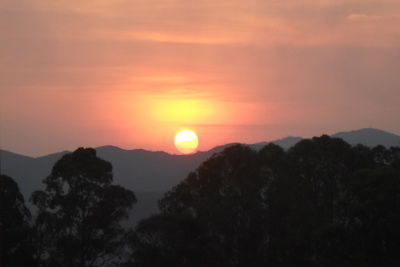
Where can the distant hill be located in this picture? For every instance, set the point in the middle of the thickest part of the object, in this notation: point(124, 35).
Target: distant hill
point(369, 137)
point(285, 143)
point(149, 174)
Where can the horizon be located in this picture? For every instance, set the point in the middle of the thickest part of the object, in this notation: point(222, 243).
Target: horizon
point(177, 153)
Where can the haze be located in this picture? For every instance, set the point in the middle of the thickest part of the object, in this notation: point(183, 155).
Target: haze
point(133, 73)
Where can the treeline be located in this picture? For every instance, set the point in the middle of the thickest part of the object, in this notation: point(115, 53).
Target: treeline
point(320, 203)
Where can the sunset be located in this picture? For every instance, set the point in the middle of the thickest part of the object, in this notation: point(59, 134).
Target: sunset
point(186, 141)
point(132, 73)
point(210, 109)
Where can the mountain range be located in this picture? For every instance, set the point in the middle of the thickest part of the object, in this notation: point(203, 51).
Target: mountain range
point(149, 174)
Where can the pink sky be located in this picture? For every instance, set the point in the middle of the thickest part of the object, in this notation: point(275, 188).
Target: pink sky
point(133, 73)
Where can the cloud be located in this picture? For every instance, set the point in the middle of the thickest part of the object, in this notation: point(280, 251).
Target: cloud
point(362, 17)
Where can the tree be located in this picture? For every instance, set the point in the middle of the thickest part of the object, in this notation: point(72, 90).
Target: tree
point(178, 240)
point(79, 213)
point(373, 217)
point(215, 217)
point(321, 203)
point(15, 249)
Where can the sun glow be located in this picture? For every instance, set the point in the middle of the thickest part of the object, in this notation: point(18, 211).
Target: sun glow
point(182, 110)
point(186, 141)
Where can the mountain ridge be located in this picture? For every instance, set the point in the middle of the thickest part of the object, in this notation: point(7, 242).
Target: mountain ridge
point(173, 166)
point(369, 137)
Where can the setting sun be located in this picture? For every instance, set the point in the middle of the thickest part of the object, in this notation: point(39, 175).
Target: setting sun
point(186, 141)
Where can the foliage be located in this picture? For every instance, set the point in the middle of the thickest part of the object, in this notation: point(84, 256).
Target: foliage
point(321, 203)
point(79, 213)
point(15, 247)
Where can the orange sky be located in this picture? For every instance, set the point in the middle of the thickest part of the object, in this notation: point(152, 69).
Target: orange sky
point(133, 73)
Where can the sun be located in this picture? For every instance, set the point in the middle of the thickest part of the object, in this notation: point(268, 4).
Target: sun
point(186, 141)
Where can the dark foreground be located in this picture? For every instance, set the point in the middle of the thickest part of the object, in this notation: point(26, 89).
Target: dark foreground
point(321, 203)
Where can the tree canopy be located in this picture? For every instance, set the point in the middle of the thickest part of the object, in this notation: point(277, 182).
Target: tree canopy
point(80, 212)
point(321, 203)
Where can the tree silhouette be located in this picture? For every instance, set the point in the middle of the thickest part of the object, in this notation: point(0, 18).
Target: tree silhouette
point(163, 240)
point(79, 213)
point(219, 210)
point(321, 203)
point(15, 248)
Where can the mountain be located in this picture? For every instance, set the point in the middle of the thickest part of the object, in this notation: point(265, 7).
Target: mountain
point(369, 137)
point(149, 174)
point(285, 143)
point(143, 170)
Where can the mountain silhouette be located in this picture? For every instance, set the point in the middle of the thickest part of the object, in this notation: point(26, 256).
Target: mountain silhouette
point(149, 174)
point(285, 143)
point(369, 137)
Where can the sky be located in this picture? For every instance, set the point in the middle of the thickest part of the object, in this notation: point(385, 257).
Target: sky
point(131, 73)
